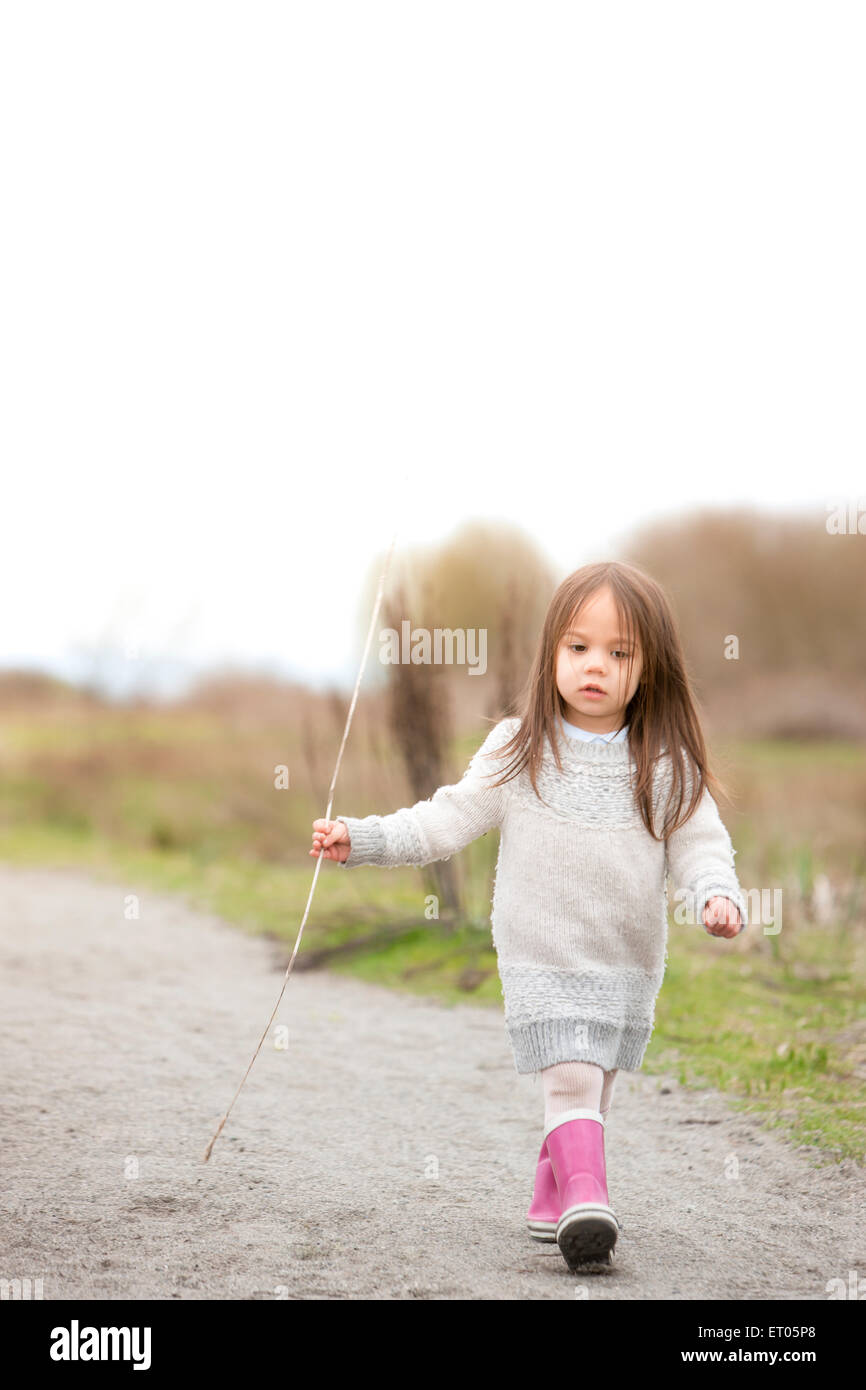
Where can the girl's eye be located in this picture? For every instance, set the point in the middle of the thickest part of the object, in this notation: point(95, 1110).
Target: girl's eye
point(574, 646)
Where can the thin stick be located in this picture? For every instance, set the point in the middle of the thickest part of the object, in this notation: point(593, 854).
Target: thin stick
point(321, 855)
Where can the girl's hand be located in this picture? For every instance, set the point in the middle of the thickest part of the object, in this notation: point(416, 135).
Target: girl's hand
point(331, 838)
point(721, 918)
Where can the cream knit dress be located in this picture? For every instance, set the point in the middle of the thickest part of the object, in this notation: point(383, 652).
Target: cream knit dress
point(580, 899)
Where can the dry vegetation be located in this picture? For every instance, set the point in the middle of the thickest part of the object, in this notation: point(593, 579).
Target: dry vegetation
point(795, 598)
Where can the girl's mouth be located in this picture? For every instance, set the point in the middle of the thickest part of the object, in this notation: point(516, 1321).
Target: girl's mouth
point(593, 692)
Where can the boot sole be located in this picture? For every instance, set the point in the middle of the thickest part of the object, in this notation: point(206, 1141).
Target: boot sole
point(542, 1230)
point(587, 1232)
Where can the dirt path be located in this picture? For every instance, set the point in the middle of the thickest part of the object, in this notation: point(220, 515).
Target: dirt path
point(387, 1153)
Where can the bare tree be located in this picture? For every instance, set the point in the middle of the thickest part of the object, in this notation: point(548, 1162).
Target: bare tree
point(419, 724)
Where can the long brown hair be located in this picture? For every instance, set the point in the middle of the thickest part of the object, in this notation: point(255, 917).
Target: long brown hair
point(661, 715)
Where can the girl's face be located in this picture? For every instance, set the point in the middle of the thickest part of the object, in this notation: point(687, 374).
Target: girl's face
point(593, 652)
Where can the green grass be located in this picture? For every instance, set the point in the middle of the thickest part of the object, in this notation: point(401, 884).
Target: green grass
point(779, 1035)
point(260, 898)
point(783, 755)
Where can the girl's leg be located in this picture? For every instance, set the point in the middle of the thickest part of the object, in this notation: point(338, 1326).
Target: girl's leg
point(607, 1092)
point(577, 1085)
point(571, 1086)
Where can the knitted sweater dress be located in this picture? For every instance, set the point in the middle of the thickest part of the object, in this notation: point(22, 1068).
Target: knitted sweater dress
point(580, 899)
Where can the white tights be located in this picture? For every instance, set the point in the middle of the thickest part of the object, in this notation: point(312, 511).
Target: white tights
point(576, 1085)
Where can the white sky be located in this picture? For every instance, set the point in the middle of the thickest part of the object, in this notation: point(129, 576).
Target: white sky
point(277, 276)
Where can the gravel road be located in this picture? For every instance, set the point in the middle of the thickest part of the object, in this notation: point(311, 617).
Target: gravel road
point(387, 1152)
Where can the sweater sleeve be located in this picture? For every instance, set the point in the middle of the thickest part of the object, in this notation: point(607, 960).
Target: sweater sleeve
point(699, 861)
point(438, 827)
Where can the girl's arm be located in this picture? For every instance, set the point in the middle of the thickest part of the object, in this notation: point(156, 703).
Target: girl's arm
point(699, 860)
point(436, 828)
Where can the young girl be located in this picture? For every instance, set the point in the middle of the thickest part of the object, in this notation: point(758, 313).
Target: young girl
point(600, 789)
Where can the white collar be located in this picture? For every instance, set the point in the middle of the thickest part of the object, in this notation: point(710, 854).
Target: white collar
point(574, 732)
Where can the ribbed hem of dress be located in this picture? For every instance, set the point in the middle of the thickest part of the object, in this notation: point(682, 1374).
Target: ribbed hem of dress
point(543, 1044)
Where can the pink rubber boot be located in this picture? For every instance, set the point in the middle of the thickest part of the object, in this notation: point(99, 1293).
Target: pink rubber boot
point(587, 1228)
point(543, 1214)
